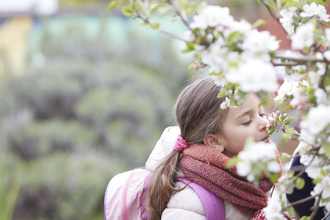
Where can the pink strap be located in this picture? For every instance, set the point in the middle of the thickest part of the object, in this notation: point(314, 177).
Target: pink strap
point(124, 211)
point(214, 207)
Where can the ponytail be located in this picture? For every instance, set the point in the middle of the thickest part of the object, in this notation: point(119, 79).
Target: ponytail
point(198, 113)
point(162, 185)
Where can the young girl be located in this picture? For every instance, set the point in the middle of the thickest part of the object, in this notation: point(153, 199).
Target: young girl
point(210, 136)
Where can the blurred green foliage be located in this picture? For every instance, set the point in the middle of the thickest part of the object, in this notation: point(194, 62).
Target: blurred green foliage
point(88, 111)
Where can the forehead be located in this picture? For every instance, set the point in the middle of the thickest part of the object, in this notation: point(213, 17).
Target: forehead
point(251, 102)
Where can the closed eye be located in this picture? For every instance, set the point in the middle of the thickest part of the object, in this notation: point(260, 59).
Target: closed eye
point(262, 114)
point(248, 122)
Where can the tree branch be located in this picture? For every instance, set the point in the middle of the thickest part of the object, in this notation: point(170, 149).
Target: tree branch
point(302, 60)
point(138, 15)
point(302, 200)
point(275, 17)
point(287, 64)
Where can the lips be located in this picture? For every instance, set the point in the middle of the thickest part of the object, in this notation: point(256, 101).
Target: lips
point(266, 139)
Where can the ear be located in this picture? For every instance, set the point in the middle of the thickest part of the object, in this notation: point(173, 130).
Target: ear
point(215, 141)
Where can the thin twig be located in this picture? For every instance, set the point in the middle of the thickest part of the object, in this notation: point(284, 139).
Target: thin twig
point(138, 15)
point(316, 207)
point(325, 217)
point(302, 200)
point(179, 14)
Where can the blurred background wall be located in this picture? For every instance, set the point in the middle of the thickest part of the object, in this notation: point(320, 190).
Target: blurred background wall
point(85, 94)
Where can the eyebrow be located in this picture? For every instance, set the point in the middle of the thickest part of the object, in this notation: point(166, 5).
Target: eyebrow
point(245, 112)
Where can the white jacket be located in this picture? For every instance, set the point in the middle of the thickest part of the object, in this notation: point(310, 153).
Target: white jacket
point(184, 204)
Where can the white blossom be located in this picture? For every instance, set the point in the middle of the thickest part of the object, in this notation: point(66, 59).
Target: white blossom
point(314, 77)
point(321, 68)
point(257, 153)
point(327, 33)
point(317, 119)
point(242, 26)
point(304, 36)
point(286, 88)
point(320, 95)
point(324, 187)
point(258, 44)
point(323, 14)
point(310, 10)
point(298, 98)
point(274, 167)
point(287, 19)
point(225, 104)
point(212, 16)
point(252, 79)
point(327, 54)
point(273, 209)
point(327, 206)
point(314, 169)
point(214, 57)
point(306, 137)
point(189, 36)
point(220, 79)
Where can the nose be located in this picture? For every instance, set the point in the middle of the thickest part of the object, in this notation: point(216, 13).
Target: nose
point(262, 123)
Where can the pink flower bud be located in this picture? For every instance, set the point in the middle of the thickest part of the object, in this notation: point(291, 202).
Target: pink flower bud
point(271, 120)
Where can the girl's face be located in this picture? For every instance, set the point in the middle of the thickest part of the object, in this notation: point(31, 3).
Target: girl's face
point(247, 120)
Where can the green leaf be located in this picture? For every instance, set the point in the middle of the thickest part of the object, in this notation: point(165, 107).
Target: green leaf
point(285, 136)
point(292, 3)
point(191, 66)
point(323, 172)
point(112, 5)
point(283, 1)
point(127, 10)
point(232, 162)
point(300, 183)
point(258, 23)
point(155, 25)
point(326, 147)
point(164, 10)
point(317, 180)
point(234, 36)
point(285, 156)
point(190, 45)
point(272, 5)
point(273, 177)
point(288, 107)
point(305, 218)
point(277, 119)
point(319, 2)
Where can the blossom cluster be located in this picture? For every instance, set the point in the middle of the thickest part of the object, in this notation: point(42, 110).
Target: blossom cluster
point(304, 36)
point(234, 49)
point(258, 159)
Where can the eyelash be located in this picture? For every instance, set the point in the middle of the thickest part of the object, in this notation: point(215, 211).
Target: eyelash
point(248, 122)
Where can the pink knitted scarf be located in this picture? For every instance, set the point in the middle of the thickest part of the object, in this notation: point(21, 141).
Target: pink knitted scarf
point(206, 166)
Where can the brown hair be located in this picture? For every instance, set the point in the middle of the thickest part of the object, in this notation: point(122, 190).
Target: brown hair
point(198, 113)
